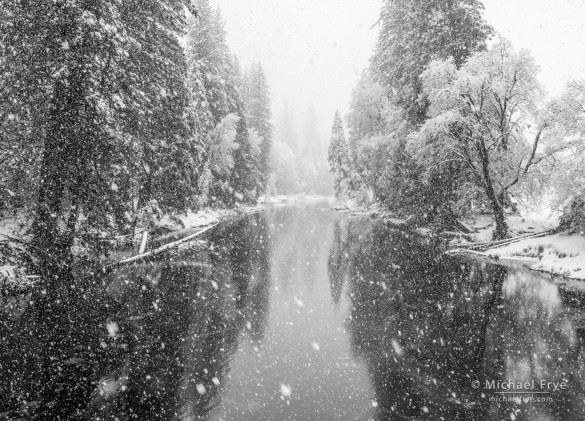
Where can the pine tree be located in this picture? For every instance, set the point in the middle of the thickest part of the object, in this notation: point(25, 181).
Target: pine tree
point(247, 180)
point(209, 78)
point(215, 85)
point(285, 178)
point(209, 61)
point(88, 77)
point(256, 94)
point(338, 158)
point(415, 32)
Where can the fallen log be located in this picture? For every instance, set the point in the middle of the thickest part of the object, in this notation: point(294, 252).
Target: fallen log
point(143, 242)
point(463, 227)
point(466, 251)
point(159, 250)
point(498, 243)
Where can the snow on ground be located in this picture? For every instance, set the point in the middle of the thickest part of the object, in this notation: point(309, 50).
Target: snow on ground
point(293, 199)
point(13, 226)
point(210, 216)
point(202, 218)
point(12, 275)
point(558, 254)
point(518, 225)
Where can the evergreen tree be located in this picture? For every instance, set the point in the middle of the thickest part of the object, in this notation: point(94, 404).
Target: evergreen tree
point(285, 178)
point(247, 179)
point(88, 77)
point(415, 32)
point(257, 97)
point(209, 80)
point(210, 65)
point(338, 158)
point(217, 92)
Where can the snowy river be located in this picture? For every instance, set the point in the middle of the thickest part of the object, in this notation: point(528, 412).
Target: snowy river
point(300, 313)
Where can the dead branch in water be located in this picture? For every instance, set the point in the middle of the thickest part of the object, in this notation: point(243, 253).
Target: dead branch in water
point(159, 250)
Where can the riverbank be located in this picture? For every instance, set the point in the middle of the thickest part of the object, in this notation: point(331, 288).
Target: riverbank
point(16, 260)
point(14, 257)
point(559, 254)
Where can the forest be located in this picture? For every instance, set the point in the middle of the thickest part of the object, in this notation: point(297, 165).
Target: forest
point(450, 119)
point(115, 113)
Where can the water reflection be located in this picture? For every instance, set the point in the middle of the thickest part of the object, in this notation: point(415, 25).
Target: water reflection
point(155, 345)
point(338, 262)
point(427, 326)
point(295, 314)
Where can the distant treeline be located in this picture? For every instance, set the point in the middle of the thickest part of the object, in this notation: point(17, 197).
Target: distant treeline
point(450, 119)
point(299, 157)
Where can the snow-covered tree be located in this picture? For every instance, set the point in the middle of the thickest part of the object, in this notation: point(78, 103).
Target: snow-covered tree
point(415, 32)
point(247, 179)
point(488, 118)
point(284, 156)
point(214, 83)
point(256, 94)
point(338, 157)
point(87, 78)
point(568, 176)
point(284, 178)
point(367, 108)
point(389, 103)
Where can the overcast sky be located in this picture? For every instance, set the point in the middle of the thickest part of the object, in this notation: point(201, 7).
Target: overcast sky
point(314, 50)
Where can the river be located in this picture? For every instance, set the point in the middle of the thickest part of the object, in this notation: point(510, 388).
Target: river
point(298, 313)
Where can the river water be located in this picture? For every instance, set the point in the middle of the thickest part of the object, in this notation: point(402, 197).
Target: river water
point(298, 313)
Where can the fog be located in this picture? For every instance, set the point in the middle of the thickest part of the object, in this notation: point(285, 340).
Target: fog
point(552, 30)
point(312, 51)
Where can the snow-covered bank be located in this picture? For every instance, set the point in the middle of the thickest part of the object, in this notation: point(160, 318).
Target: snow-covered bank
point(210, 216)
point(203, 217)
point(295, 199)
point(166, 229)
point(559, 254)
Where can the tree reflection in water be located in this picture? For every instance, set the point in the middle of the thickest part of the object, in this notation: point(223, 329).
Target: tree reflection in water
point(427, 325)
point(156, 341)
point(156, 344)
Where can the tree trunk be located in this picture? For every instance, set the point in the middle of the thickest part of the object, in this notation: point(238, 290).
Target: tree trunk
point(501, 231)
point(45, 228)
point(54, 244)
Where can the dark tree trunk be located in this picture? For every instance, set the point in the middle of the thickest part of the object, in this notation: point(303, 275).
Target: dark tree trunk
point(52, 242)
point(501, 231)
